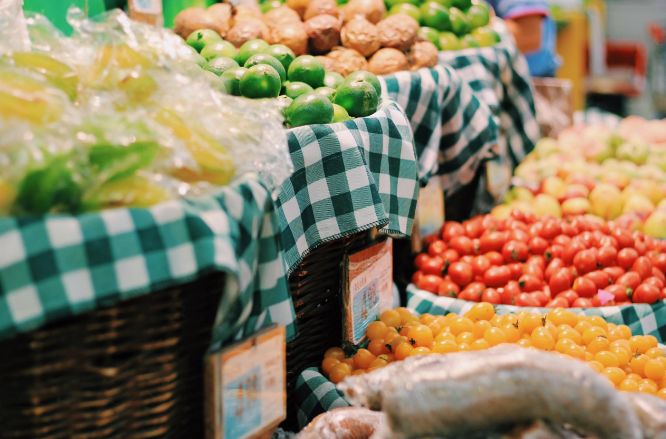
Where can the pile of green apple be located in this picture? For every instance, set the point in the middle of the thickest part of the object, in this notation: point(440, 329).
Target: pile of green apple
point(616, 174)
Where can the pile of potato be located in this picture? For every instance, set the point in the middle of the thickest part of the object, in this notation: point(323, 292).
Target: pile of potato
point(346, 39)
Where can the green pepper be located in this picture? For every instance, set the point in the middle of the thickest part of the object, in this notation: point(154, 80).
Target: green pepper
point(114, 162)
point(49, 188)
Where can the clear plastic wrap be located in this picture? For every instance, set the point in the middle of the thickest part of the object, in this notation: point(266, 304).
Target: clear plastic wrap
point(13, 32)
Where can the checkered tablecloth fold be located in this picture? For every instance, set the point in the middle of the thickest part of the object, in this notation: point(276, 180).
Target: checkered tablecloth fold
point(348, 177)
point(315, 394)
point(61, 265)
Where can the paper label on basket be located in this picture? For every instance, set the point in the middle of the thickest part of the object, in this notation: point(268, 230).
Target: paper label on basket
point(147, 6)
point(498, 178)
point(430, 207)
point(368, 288)
point(246, 386)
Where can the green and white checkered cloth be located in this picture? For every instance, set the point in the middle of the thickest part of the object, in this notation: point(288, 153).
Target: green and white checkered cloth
point(453, 130)
point(348, 177)
point(56, 266)
point(314, 394)
point(643, 319)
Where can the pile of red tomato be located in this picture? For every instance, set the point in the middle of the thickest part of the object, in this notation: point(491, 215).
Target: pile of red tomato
point(528, 261)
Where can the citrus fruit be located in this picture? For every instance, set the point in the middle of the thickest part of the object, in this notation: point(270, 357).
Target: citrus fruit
point(260, 81)
point(310, 108)
point(327, 92)
point(250, 48)
point(449, 41)
point(262, 58)
point(359, 98)
point(436, 16)
point(282, 53)
point(391, 3)
point(201, 38)
point(470, 41)
point(219, 49)
point(486, 36)
point(307, 69)
point(294, 89)
point(462, 4)
point(232, 79)
point(371, 78)
point(478, 15)
point(333, 79)
point(339, 114)
point(429, 34)
point(460, 24)
point(407, 9)
point(267, 6)
point(446, 3)
point(220, 65)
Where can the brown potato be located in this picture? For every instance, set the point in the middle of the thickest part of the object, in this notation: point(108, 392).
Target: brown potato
point(346, 61)
point(247, 29)
point(327, 62)
point(422, 54)
point(281, 15)
point(387, 61)
point(243, 11)
point(372, 10)
point(398, 31)
point(298, 5)
point(191, 19)
point(222, 15)
point(321, 7)
point(361, 35)
point(292, 35)
point(323, 33)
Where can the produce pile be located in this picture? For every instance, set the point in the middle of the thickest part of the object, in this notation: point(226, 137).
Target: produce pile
point(631, 363)
point(118, 115)
point(616, 174)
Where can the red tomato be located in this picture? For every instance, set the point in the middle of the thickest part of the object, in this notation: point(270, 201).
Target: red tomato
point(553, 266)
point(600, 278)
point(420, 259)
point(560, 281)
point(519, 235)
point(663, 294)
point(430, 239)
point(448, 288)
point(640, 246)
point(437, 248)
point(629, 279)
point(529, 283)
point(450, 256)
point(569, 295)
point(491, 296)
point(607, 256)
point(541, 297)
point(643, 267)
point(619, 292)
point(516, 270)
point(497, 277)
point(429, 282)
point(509, 293)
point(537, 245)
point(461, 273)
point(588, 239)
point(562, 240)
point(527, 299)
point(473, 228)
point(489, 222)
point(582, 302)
point(608, 241)
point(416, 277)
point(555, 251)
point(492, 241)
point(538, 261)
point(658, 274)
point(584, 287)
point(623, 237)
point(571, 251)
point(495, 258)
point(472, 292)
point(434, 265)
point(568, 229)
point(476, 245)
point(462, 244)
point(551, 228)
point(480, 265)
point(614, 272)
point(585, 261)
point(655, 281)
point(626, 258)
point(452, 229)
point(467, 259)
point(558, 302)
point(515, 251)
point(533, 269)
point(659, 261)
point(646, 293)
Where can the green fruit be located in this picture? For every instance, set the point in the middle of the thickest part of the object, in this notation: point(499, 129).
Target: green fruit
point(391, 3)
point(370, 78)
point(340, 114)
point(260, 81)
point(449, 41)
point(333, 79)
point(307, 69)
point(328, 92)
point(429, 34)
point(202, 38)
point(232, 79)
point(262, 58)
point(218, 50)
point(250, 48)
point(407, 9)
point(220, 65)
point(469, 41)
point(310, 108)
point(359, 98)
point(478, 15)
point(267, 6)
point(200, 61)
point(486, 36)
point(436, 16)
point(460, 24)
point(462, 4)
point(294, 89)
point(282, 53)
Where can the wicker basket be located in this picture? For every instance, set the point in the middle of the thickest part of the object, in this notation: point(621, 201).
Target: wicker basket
point(132, 370)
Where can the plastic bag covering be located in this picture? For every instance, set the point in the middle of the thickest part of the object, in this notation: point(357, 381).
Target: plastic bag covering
point(120, 115)
point(13, 32)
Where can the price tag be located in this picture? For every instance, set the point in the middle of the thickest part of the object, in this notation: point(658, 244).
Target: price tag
point(246, 387)
point(368, 288)
point(146, 11)
point(430, 207)
point(498, 178)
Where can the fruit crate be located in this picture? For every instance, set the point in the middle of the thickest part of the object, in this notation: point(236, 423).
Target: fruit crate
point(133, 370)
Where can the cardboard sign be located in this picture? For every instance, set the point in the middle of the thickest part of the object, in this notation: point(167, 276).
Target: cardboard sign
point(246, 387)
point(368, 288)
